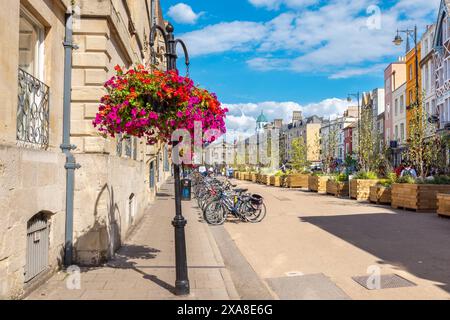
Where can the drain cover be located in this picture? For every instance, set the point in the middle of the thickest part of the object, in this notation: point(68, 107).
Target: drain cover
point(388, 281)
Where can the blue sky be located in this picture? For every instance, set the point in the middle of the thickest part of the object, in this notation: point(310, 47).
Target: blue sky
point(285, 55)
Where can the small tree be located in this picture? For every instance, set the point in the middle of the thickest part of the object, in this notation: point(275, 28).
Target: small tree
point(383, 165)
point(315, 153)
point(299, 155)
point(329, 147)
point(423, 152)
point(367, 140)
point(350, 163)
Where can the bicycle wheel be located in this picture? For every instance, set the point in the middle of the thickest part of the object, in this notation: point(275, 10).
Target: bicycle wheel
point(254, 214)
point(215, 214)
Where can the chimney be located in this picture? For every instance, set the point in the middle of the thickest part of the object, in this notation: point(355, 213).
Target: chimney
point(278, 123)
point(297, 116)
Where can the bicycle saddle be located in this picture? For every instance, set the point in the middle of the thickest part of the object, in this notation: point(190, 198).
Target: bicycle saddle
point(240, 190)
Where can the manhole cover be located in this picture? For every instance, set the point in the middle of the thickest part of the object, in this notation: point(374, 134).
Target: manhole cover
point(388, 281)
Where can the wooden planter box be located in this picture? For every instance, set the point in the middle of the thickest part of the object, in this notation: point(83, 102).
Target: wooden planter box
point(276, 181)
point(297, 181)
point(380, 195)
point(419, 197)
point(360, 189)
point(318, 183)
point(253, 177)
point(443, 204)
point(265, 179)
point(338, 189)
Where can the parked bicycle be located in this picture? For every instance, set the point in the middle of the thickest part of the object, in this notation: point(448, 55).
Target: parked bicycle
point(219, 199)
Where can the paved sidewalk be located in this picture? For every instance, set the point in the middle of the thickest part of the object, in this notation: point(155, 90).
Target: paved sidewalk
point(144, 269)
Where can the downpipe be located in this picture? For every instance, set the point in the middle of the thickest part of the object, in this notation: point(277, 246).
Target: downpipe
point(71, 164)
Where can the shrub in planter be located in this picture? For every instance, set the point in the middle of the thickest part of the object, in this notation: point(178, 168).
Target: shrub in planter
point(317, 182)
point(382, 192)
point(297, 180)
point(361, 183)
point(338, 185)
point(277, 180)
point(420, 194)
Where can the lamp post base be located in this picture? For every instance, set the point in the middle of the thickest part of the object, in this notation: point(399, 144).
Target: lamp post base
point(182, 282)
point(182, 288)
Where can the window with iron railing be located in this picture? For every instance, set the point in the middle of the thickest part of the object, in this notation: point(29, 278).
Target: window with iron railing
point(33, 111)
point(33, 94)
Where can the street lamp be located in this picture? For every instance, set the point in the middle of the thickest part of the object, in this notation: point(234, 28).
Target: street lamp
point(398, 41)
point(179, 222)
point(349, 99)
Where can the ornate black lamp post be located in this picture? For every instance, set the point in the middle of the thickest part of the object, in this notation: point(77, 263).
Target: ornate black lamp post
point(398, 41)
point(179, 222)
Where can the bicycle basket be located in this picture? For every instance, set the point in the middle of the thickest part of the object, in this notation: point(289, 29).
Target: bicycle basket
point(256, 201)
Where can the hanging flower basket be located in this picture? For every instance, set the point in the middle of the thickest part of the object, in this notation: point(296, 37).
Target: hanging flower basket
point(154, 104)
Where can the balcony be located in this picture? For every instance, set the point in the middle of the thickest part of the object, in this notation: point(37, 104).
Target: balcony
point(32, 112)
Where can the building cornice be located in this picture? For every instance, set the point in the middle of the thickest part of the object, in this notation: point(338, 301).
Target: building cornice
point(107, 10)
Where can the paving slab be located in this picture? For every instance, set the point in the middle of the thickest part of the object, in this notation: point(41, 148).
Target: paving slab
point(307, 287)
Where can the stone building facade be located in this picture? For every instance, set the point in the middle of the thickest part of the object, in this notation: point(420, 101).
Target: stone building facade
point(118, 178)
point(308, 129)
point(394, 77)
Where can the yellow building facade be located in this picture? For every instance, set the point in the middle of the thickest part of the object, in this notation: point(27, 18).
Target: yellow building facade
point(411, 76)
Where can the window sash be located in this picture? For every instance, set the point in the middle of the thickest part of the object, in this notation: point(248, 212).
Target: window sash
point(38, 47)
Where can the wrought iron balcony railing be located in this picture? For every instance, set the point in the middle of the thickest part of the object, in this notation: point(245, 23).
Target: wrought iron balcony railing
point(33, 116)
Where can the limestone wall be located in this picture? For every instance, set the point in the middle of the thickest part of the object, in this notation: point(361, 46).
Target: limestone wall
point(31, 181)
point(110, 196)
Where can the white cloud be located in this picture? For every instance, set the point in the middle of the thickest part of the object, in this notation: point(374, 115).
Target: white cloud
point(351, 72)
point(267, 64)
point(183, 13)
point(237, 35)
point(242, 116)
point(275, 4)
point(334, 38)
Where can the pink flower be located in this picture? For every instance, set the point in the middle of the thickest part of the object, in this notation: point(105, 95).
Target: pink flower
point(153, 115)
